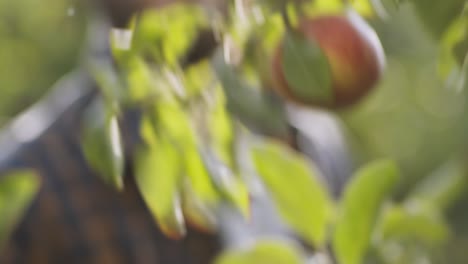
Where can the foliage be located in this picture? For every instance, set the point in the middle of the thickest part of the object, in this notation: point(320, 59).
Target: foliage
point(17, 190)
point(212, 131)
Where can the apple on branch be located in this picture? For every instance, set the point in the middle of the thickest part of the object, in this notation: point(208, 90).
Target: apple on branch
point(331, 61)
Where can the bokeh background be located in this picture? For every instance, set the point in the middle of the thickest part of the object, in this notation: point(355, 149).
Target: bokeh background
point(39, 43)
point(417, 115)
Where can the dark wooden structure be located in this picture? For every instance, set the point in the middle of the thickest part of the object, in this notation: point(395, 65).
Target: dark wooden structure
point(76, 218)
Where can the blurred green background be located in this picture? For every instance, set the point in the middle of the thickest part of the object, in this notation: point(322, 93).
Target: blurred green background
point(416, 115)
point(39, 42)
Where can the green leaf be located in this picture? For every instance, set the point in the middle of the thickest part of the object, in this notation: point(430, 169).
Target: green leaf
point(235, 191)
point(306, 68)
point(359, 209)
point(102, 144)
point(174, 121)
point(416, 224)
point(199, 205)
point(140, 83)
point(158, 172)
point(301, 199)
point(263, 252)
point(247, 103)
point(454, 35)
point(326, 7)
point(17, 190)
point(231, 186)
point(168, 32)
point(444, 186)
point(109, 81)
point(200, 194)
point(198, 78)
point(438, 15)
point(221, 129)
point(198, 176)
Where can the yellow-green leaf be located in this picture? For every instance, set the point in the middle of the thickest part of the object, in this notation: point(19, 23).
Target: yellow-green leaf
point(169, 38)
point(17, 190)
point(301, 199)
point(140, 83)
point(359, 208)
point(158, 175)
point(454, 34)
point(199, 212)
point(415, 223)
point(200, 194)
point(221, 129)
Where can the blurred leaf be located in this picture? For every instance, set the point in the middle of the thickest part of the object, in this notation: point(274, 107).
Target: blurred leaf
point(198, 176)
point(319, 7)
point(263, 252)
point(148, 127)
point(324, 7)
point(455, 33)
point(221, 129)
point(158, 172)
point(247, 103)
point(438, 15)
point(168, 32)
point(261, 45)
point(364, 7)
point(17, 191)
point(416, 224)
point(236, 191)
point(306, 69)
point(102, 144)
point(442, 187)
point(139, 79)
point(198, 78)
point(199, 206)
point(301, 199)
point(173, 120)
point(200, 194)
point(108, 79)
point(230, 185)
point(359, 208)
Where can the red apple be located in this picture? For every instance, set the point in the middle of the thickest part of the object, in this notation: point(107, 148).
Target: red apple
point(354, 53)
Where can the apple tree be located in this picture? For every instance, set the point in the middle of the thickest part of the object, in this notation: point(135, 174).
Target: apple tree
point(326, 131)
